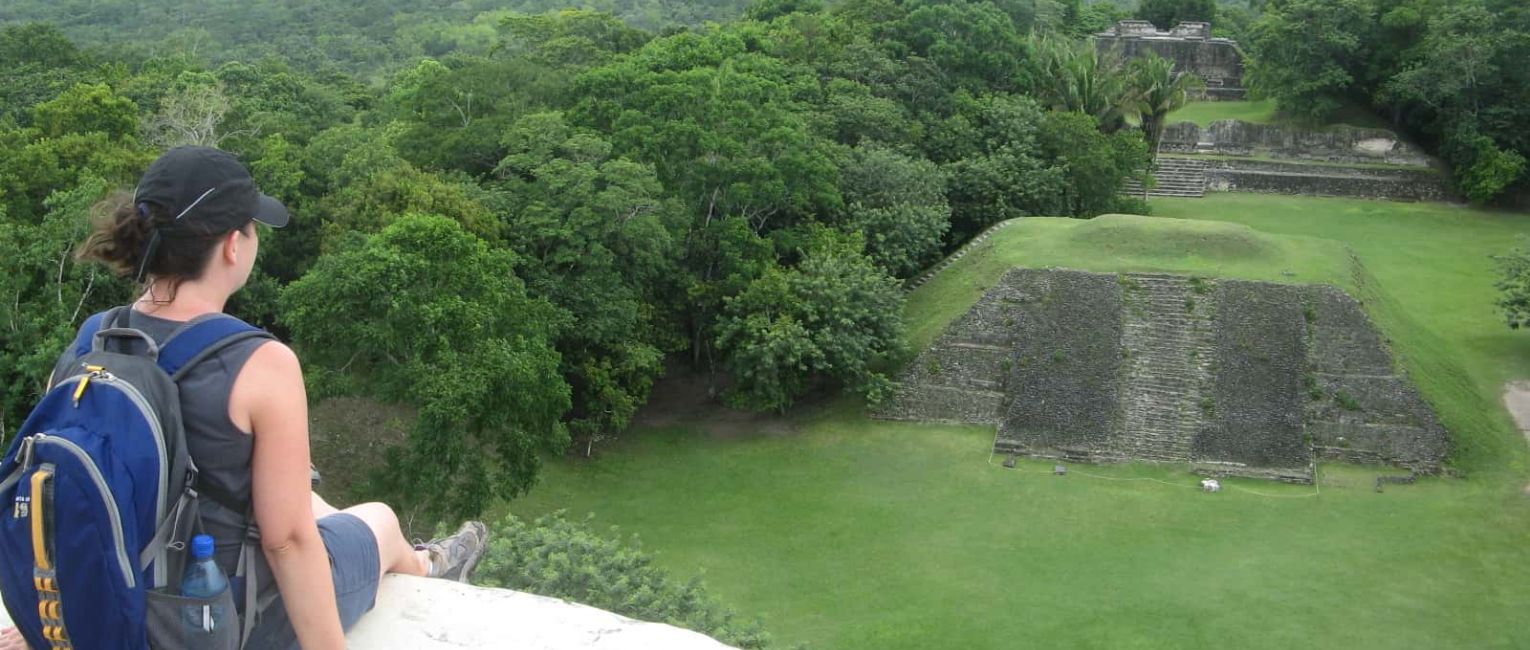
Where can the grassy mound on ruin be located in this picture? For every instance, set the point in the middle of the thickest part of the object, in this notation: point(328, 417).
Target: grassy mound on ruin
point(1122, 243)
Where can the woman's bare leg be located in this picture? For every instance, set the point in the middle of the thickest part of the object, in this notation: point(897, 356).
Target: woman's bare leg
point(321, 508)
point(395, 552)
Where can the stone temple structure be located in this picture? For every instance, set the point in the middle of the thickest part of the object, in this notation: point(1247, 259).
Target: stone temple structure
point(1284, 158)
point(1190, 46)
point(1235, 377)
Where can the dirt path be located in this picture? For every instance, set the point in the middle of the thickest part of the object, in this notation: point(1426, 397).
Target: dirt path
point(1516, 396)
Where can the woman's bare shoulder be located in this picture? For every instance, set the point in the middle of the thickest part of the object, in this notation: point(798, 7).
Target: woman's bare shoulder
point(273, 356)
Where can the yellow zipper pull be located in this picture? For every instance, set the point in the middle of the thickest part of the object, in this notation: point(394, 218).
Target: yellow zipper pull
point(95, 371)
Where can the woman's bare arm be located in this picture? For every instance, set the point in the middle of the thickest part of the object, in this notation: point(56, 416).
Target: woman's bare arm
point(269, 393)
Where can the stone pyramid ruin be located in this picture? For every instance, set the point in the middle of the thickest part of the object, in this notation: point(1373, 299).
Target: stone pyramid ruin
point(1236, 377)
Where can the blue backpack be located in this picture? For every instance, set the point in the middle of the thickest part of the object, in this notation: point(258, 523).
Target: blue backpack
point(103, 497)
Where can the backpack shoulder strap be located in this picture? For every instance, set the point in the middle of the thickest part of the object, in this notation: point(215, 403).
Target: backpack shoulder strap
point(97, 322)
point(201, 338)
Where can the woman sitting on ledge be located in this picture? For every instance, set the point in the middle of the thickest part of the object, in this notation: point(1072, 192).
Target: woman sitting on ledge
point(189, 235)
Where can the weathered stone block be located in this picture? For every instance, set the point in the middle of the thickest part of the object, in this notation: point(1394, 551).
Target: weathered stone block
point(1065, 381)
point(1256, 412)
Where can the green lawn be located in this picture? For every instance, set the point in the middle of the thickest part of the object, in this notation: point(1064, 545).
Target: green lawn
point(1121, 243)
point(1263, 111)
point(1204, 113)
point(853, 533)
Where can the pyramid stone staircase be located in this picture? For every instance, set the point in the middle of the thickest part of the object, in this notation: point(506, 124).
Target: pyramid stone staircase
point(1181, 177)
point(1170, 344)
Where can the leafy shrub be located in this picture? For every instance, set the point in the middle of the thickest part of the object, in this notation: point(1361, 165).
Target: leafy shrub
point(555, 557)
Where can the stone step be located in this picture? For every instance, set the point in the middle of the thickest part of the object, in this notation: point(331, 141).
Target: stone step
point(1166, 372)
point(986, 347)
point(1174, 177)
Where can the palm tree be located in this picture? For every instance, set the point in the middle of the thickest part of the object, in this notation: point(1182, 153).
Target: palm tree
point(1074, 76)
point(1157, 90)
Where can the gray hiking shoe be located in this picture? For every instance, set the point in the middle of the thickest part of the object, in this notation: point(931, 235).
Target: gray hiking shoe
point(455, 557)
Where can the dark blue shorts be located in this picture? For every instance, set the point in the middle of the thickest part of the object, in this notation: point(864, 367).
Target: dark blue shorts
point(354, 563)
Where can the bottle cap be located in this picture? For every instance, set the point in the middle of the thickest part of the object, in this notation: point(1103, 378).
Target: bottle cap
point(202, 547)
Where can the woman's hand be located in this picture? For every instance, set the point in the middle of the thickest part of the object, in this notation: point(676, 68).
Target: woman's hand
point(10, 639)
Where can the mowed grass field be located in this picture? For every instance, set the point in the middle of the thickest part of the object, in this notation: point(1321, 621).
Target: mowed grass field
point(1204, 113)
point(1264, 111)
point(845, 532)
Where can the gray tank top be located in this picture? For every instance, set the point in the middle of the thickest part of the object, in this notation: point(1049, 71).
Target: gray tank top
point(220, 449)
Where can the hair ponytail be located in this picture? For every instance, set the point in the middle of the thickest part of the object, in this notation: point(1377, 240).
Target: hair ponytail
point(120, 232)
point(135, 242)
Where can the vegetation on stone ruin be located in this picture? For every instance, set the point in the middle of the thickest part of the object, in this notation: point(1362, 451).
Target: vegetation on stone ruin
point(1450, 73)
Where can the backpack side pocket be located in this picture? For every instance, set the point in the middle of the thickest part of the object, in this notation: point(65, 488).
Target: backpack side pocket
point(177, 622)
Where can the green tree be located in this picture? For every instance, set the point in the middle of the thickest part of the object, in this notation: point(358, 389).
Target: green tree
point(594, 235)
point(1092, 165)
point(898, 204)
point(364, 184)
point(852, 112)
point(976, 43)
point(452, 112)
point(87, 108)
point(1455, 65)
point(1306, 54)
point(45, 293)
point(830, 318)
point(1075, 76)
point(39, 44)
point(1165, 14)
point(1157, 90)
point(1514, 285)
point(719, 124)
point(271, 97)
point(726, 133)
point(1482, 169)
point(426, 314)
point(993, 163)
point(32, 167)
point(39, 63)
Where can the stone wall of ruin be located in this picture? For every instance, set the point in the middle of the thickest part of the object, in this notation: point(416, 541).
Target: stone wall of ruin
point(1254, 416)
point(1217, 61)
point(1341, 144)
point(1063, 382)
point(1359, 406)
point(1236, 377)
point(1270, 177)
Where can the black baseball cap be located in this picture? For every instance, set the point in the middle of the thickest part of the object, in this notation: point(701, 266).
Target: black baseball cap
point(208, 190)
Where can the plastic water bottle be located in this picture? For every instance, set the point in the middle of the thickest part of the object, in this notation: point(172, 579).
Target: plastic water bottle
point(203, 580)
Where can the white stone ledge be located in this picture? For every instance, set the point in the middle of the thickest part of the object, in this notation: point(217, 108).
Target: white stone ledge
point(423, 614)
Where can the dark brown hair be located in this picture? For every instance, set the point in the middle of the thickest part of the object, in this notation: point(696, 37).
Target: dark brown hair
point(120, 235)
